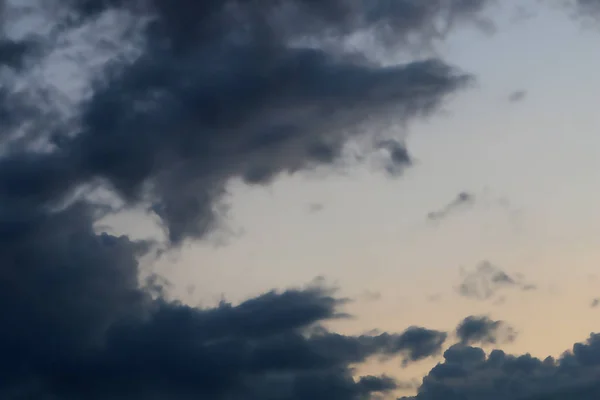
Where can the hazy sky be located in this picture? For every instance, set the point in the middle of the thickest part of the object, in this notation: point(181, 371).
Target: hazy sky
point(334, 200)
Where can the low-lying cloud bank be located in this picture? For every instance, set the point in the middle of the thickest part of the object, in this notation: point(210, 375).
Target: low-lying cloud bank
point(468, 373)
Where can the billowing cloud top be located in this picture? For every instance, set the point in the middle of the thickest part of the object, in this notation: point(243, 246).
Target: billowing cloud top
point(467, 373)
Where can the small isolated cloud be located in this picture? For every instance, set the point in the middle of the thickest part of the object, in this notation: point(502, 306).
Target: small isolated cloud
point(487, 280)
point(595, 302)
point(396, 156)
point(485, 331)
point(462, 200)
point(517, 96)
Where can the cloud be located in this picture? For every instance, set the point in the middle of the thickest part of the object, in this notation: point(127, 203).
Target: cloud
point(487, 280)
point(595, 303)
point(269, 345)
point(463, 199)
point(483, 330)
point(468, 373)
point(227, 90)
point(397, 158)
point(517, 96)
point(160, 104)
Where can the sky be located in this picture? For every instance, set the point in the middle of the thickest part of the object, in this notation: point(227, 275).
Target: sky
point(290, 200)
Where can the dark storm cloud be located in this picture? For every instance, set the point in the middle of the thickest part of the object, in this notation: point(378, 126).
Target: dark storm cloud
point(463, 199)
point(176, 351)
point(240, 96)
point(210, 91)
point(483, 330)
point(226, 90)
point(254, 132)
point(487, 280)
point(468, 373)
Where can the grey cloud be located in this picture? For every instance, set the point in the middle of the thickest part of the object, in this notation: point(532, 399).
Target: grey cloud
point(468, 373)
point(595, 303)
point(487, 280)
point(177, 351)
point(462, 200)
point(418, 343)
point(483, 330)
point(225, 90)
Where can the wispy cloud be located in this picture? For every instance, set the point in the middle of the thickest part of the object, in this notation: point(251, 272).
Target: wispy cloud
point(461, 201)
point(487, 280)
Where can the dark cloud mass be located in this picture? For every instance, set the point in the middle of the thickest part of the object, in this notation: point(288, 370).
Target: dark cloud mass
point(226, 90)
point(266, 346)
point(163, 103)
